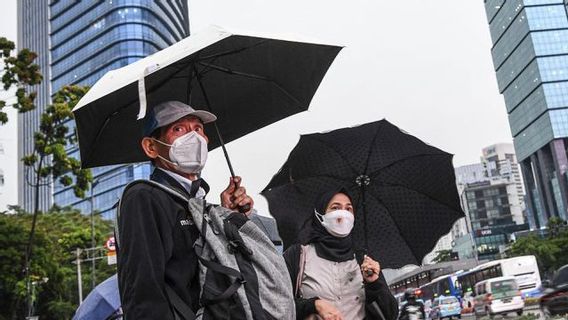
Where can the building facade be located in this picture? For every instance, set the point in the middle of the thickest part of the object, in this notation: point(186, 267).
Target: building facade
point(33, 34)
point(530, 56)
point(89, 38)
point(492, 196)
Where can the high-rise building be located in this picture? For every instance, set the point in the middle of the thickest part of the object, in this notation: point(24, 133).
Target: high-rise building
point(492, 196)
point(89, 38)
point(33, 34)
point(530, 56)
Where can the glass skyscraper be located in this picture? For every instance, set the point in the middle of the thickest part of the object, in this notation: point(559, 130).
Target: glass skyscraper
point(530, 56)
point(89, 38)
point(33, 33)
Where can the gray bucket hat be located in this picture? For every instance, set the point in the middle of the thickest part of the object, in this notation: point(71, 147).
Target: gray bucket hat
point(171, 111)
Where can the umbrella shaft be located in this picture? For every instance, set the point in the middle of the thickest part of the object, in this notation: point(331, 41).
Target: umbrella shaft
point(225, 150)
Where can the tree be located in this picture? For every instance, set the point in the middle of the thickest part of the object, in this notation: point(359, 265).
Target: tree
point(19, 71)
point(443, 256)
point(549, 251)
point(50, 161)
point(59, 232)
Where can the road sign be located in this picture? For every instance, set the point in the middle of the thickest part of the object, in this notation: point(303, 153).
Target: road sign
point(111, 257)
point(111, 244)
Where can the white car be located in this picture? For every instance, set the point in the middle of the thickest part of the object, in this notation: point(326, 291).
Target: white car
point(498, 296)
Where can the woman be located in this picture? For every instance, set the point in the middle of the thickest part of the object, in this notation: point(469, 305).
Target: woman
point(329, 282)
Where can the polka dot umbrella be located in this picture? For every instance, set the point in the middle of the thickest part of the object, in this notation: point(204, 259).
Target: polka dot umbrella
point(404, 190)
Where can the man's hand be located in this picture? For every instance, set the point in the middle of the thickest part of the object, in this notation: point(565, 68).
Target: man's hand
point(327, 311)
point(235, 196)
point(370, 269)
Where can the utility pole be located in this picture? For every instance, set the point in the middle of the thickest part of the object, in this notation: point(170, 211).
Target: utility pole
point(79, 281)
point(93, 243)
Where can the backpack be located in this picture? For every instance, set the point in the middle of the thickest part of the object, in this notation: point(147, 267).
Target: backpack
point(242, 275)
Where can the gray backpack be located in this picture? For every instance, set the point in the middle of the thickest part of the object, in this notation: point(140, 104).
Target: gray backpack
point(242, 275)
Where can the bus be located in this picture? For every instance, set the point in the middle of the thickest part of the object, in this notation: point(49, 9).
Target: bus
point(441, 286)
point(524, 269)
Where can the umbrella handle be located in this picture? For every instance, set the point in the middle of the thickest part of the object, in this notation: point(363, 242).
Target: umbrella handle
point(244, 209)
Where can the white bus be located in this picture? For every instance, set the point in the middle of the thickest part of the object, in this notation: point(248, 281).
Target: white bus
point(524, 269)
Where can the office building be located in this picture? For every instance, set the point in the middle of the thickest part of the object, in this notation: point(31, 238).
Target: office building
point(530, 57)
point(492, 196)
point(89, 38)
point(33, 34)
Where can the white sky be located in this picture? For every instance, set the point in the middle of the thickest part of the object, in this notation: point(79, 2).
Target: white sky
point(423, 65)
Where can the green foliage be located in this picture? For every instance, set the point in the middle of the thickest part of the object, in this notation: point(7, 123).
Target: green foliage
point(550, 252)
point(20, 71)
point(443, 256)
point(52, 139)
point(58, 234)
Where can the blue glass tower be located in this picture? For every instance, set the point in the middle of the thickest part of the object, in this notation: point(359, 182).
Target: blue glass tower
point(530, 56)
point(33, 33)
point(89, 38)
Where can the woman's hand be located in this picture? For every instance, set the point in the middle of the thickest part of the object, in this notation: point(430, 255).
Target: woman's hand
point(370, 269)
point(327, 311)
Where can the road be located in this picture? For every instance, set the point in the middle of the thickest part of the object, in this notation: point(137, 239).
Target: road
point(531, 310)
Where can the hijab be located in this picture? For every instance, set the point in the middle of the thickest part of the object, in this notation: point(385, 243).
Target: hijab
point(327, 246)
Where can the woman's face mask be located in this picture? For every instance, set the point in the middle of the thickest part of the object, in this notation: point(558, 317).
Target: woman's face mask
point(188, 153)
point(338, 223)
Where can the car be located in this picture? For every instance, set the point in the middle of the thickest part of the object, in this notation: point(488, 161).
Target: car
point(445, 307)
point(499, 295)
point(554, 301)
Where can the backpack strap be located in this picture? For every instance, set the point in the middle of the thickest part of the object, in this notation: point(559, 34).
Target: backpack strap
point(118, 205)
point(217, 267)
point(180, 309)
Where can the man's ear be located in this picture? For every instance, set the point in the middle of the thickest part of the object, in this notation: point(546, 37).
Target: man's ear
point(150, 147)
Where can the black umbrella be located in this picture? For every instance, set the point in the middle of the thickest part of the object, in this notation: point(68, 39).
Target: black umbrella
point(248, 81)
point(404, 190)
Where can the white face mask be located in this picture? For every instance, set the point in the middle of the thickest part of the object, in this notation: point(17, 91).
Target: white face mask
point(188, 153)
point(338, 223)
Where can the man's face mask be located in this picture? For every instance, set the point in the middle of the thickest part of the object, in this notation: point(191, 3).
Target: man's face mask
point(338, 223)
point(188, 153)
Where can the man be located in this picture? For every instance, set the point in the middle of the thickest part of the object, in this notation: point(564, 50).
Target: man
point(156, 234)
point(412, 309)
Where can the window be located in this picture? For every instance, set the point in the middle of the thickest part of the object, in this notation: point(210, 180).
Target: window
point(561, 277)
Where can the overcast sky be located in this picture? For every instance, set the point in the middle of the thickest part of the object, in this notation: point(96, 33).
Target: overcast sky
point(423, 65)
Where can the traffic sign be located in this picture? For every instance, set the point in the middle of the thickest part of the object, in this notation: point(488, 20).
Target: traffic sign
point(111, 244)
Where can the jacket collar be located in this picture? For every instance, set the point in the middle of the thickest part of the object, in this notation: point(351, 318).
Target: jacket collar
point(163, 178)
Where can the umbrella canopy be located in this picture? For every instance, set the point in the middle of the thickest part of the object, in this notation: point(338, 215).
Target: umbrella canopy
point(248, 81)
point(404, 190)
point(101, 303)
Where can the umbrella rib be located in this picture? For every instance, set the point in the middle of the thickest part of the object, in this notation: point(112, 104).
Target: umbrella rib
point(234, 51)
point(396, 225)
point(420, 193)
point(251, 76)
point(371, 148)
point(294, 181)
point(338, 153)
point(408, 158)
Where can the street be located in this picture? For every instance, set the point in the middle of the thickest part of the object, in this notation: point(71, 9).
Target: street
point(532, 310)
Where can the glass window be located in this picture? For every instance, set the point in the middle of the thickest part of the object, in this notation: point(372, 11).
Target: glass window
point(547, 17)
point(561, 277)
